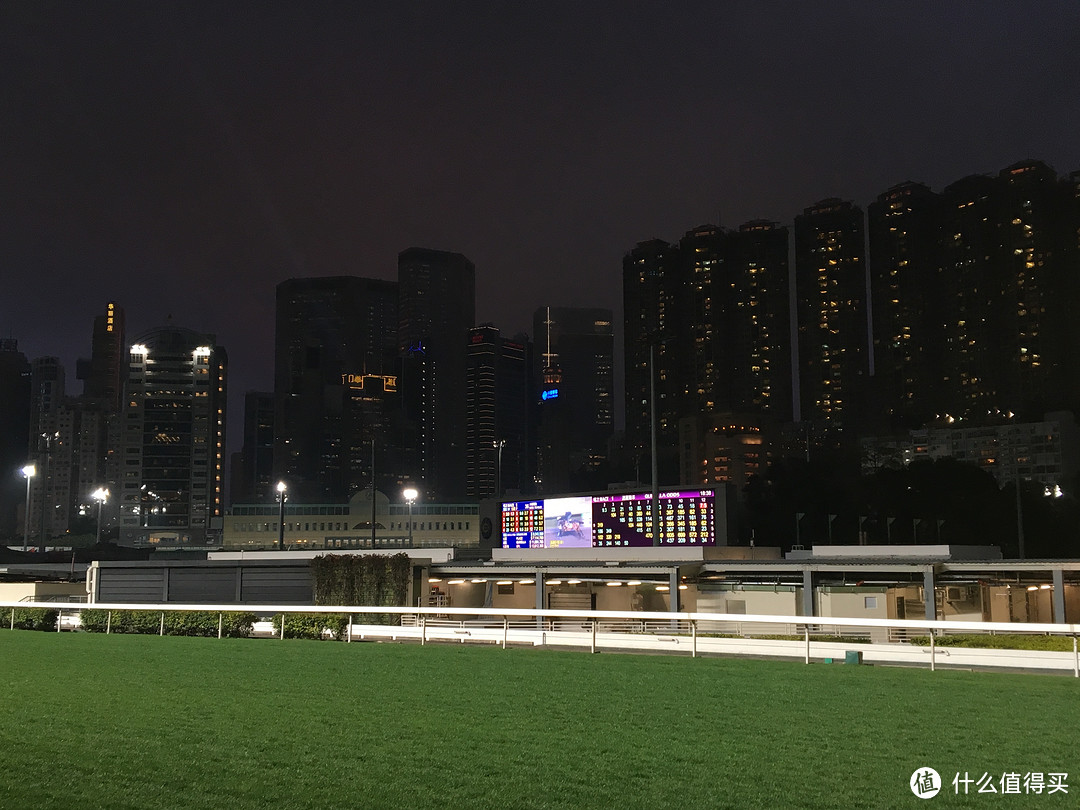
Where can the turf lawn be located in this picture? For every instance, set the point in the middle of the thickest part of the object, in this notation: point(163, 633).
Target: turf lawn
point(94, 721)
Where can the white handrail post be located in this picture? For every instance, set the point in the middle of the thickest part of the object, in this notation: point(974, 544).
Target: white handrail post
point(593, 623)
point(423, 629)
point(59, 616)
point(932, 665)
point(693, 635)
point(1076, 660)
point(506, 629)
point(108, 623)
point(13, 618)
point(161, 629)
point(348, 631)
point(220, 622)
point(282, 627)
point(806, 630)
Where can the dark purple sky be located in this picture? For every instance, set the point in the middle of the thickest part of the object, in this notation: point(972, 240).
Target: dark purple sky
point(183, 158)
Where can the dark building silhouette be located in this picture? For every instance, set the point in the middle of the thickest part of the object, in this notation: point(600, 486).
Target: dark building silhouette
point(252, 479)
point(499, 429)
point(577, 430)
point(15, 438)
point(831, 313)
point(336, 387)
point(651, 294)
point(104, 373)
point(437, 300)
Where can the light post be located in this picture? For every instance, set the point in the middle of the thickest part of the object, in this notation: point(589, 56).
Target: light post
point(498, 445)
point(29, 471)
point(100, 495)
point(410, 496)
point(281, 488)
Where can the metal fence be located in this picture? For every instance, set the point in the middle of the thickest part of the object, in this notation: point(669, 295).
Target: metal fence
point(811, 639)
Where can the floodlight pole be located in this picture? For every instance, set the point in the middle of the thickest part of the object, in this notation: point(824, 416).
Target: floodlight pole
point(655, 466)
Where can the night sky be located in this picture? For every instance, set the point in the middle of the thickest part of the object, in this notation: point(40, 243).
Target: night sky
point(183, 158)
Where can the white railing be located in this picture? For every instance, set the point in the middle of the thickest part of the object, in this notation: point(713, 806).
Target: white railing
point(875, 640)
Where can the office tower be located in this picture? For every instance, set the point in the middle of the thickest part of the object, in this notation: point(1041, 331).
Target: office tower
point(103, 374)
point(437, 300)
point(577, 344)
point(651, 284)
point(252, 478)
point(909, 310)
point(831, 312)
point(171, 492)
point(336, 387)
point(15, 438)
point(498, 421)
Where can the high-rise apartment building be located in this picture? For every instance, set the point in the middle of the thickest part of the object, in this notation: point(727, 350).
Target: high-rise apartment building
point(909, 311)
point(171, 486)
point(754, 324)
point(831, 312)
point(499, 414)
point(336, 388)
point(715, 313)
point(437, 300)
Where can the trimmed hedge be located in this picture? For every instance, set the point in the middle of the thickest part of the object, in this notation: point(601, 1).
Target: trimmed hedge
point(362, 579)
point(202, 623)
point(1007, 641)
point(32, 619)
point(313, 625)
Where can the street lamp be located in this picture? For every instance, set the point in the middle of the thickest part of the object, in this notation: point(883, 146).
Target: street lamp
point(100, 495)
point(410, 496)
point(498, 445)
point(281, 515)
point(29, 471)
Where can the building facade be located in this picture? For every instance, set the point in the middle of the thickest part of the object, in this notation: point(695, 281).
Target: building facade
point(437, 299)
point(832, 312)
point(338, 414)
point(171, 481)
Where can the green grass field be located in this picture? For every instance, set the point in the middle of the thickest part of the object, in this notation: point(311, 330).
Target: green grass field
point(95, 721)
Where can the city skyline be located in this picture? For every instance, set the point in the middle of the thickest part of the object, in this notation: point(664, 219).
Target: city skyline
point(184, 160)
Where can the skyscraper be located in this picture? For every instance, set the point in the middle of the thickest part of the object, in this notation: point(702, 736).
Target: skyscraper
point(753, 324)
point(909, 310)
point(336, 387)
point(498, 421)
point(1008, 275)
point(579, 342)
point(252, 479)
point(172, 490)
point(103, 374)
point(651, 286)
point(437, 299)
point(831, 312)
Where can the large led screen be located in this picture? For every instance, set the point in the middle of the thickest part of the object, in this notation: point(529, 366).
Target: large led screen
point(523, 524)
point(568, 522)
point(687, 518)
